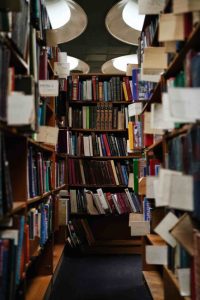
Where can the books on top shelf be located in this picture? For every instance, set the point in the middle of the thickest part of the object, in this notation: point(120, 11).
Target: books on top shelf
point(96, 88)
point(83, 201)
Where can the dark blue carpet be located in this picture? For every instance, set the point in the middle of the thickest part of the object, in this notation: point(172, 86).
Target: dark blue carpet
point(116, 277)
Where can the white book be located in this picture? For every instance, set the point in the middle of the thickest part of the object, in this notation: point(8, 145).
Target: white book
point(102, 199)
point(86, 146)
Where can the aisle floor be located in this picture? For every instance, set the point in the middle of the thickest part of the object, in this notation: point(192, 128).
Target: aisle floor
point(100, 278)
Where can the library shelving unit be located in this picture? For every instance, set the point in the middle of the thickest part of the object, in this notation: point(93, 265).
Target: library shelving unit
point(176, 151)
point(32, 173)
point(98, 162)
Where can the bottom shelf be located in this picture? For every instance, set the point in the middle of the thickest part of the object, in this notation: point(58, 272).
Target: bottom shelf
point(57, 253)
point(155, 284)
point(38, 287)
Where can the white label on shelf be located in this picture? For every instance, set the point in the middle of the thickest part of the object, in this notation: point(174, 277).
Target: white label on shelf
point(48, 88)
point(140, 228)
point(156, 255)
point(158, 120)
point(134, 109)
point(171, 27)
point(184, 103)
point(151, 7)
point(150, 186)
point(184, 281)
point(181, 192)
point(62, 69)
point(21, 109)
point(48, 134)
point(165, 226)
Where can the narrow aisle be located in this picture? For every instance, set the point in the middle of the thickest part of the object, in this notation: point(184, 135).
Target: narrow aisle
point(100, 278)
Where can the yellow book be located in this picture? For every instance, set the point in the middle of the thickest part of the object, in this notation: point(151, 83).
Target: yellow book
point(130, 135)
point(125, 91)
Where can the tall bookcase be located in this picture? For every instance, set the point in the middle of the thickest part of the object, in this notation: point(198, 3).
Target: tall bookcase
point(32, 173)
point(99, 164)
point(176, 150)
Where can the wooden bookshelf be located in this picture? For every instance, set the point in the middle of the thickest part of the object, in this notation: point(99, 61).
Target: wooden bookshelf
point(99, 130)
point(135, 155)
point(38, 287)
point(155, 284)
point(38, 198)
point(57, 253)
point(163, 280)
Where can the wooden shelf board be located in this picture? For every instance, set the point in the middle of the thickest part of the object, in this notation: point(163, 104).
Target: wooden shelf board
point(17, 206)
point(61, 155)
point(179, 131)
point(59, 188)
point(155, 284)
point(156, 144)
point(38, 198)
point(105, 157)
point(98, 130)
point(37, 287)
point(87, 102)
point(86, 215)
point(155, 239)
point(57, 253)
point(42, 146)
point(97, 186)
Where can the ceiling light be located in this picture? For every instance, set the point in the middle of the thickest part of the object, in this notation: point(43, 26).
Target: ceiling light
point(68, 21)
point(125, 31)
point(59, 13)
point(131, 17)
point(121, 62)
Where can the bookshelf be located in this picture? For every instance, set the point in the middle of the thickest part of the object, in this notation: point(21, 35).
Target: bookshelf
point(98, 161)
point(171, 148)
point(32, 173)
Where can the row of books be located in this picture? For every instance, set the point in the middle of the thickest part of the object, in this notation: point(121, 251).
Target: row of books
point(96, 144)
point(97, 172)
point(14, 256)
point(99, 202)
point(96, 89)
point(40, 173)
point(101, 116)
point(40, 221)
point(60, 172)
point(6, 195)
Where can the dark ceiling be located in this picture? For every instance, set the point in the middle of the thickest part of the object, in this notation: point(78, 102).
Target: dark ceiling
point(96, 45)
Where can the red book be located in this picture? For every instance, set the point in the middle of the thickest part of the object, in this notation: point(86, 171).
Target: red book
point(148, 140)
point(43, 66)
point(110, 202)
point(94, 88)
point(106, 144)
point(128, 88)
point(152, 163)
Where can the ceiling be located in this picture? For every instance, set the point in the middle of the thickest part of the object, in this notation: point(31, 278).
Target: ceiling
point(96, 45)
